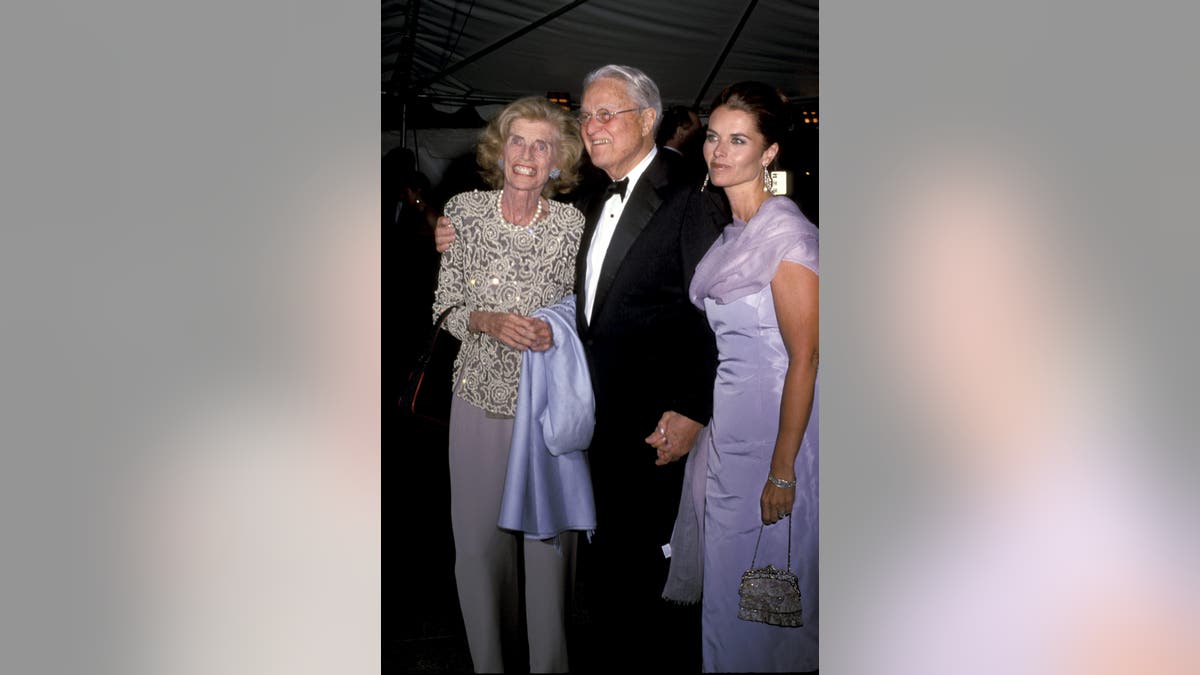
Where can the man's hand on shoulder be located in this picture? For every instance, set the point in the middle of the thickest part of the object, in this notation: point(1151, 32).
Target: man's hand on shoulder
point(443, 234)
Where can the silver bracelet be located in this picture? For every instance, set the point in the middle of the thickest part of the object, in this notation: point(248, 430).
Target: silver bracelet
point(780, 483)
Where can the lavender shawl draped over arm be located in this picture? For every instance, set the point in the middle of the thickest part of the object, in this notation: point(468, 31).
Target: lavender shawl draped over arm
point(548, 487)
point(741, 262)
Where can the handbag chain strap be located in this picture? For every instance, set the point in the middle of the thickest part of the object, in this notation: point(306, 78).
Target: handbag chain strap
point(442, 317)
point(417, 375)
point(426, 356)
point(789, 558)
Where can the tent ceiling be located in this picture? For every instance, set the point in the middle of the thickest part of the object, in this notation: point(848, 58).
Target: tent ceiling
point(676, 43)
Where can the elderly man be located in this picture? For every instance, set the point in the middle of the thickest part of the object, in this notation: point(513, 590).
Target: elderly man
point(652, 358)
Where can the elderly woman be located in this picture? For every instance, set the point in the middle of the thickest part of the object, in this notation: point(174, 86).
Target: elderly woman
point(515, 253)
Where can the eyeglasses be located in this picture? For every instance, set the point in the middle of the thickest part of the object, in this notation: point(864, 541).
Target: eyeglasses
point(602, 116)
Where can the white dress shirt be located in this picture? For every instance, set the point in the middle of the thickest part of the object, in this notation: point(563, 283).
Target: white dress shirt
point(602, 237)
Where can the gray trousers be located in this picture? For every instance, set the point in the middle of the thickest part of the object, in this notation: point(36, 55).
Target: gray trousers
point(487, 557)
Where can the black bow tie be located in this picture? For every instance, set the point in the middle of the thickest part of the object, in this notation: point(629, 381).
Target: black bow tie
point(617, 187)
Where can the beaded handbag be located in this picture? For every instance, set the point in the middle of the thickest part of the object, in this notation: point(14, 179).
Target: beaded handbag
point(770, 595)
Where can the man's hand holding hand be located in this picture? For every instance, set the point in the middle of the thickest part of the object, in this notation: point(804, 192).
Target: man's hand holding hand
point(674, 437)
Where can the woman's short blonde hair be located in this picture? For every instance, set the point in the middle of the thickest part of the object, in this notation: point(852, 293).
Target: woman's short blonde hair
point(568, 150)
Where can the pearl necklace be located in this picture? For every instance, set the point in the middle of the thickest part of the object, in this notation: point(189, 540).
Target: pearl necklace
point(500, 209)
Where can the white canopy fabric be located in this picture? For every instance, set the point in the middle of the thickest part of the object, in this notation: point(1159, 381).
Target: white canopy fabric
point(676, 43)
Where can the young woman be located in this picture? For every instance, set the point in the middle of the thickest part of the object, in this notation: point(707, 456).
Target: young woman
point(758, 287)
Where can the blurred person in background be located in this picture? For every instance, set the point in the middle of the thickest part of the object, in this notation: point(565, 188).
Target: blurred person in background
point(515, 254)
point(680, 137)
point(395, 170)
point(757, 465)
point(416, 268)
point(414, 207)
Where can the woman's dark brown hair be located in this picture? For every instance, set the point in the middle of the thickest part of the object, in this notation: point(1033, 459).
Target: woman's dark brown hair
point(768, 107)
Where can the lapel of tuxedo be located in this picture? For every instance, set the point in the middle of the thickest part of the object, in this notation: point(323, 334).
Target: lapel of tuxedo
point(643, 202)
point(592, 208)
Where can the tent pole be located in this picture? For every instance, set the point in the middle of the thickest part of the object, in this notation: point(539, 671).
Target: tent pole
point(401, 76)
point(402, 69)
point(712, 75)
point(496, 45)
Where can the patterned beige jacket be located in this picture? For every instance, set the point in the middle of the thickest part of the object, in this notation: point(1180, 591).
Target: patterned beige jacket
point(494, 266)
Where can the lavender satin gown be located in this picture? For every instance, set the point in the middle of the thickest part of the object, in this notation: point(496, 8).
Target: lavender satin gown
point(733, 282)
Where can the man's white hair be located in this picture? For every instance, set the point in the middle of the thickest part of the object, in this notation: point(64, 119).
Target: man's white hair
point(641, 88)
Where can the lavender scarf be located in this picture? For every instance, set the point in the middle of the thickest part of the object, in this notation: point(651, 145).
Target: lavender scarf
point(746, 256)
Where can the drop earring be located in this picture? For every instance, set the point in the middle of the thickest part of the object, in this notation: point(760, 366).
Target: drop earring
point(555, 173)
point(768, 181)
point(705, 184)
point(500, 162)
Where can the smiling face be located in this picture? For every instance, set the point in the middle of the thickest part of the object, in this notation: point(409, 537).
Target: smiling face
point(735, 149)
point(618, 146)
point(529, 154)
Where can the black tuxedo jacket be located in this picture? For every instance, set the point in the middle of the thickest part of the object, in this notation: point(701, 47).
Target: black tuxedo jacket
point(649, 348)
point(684, 169)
